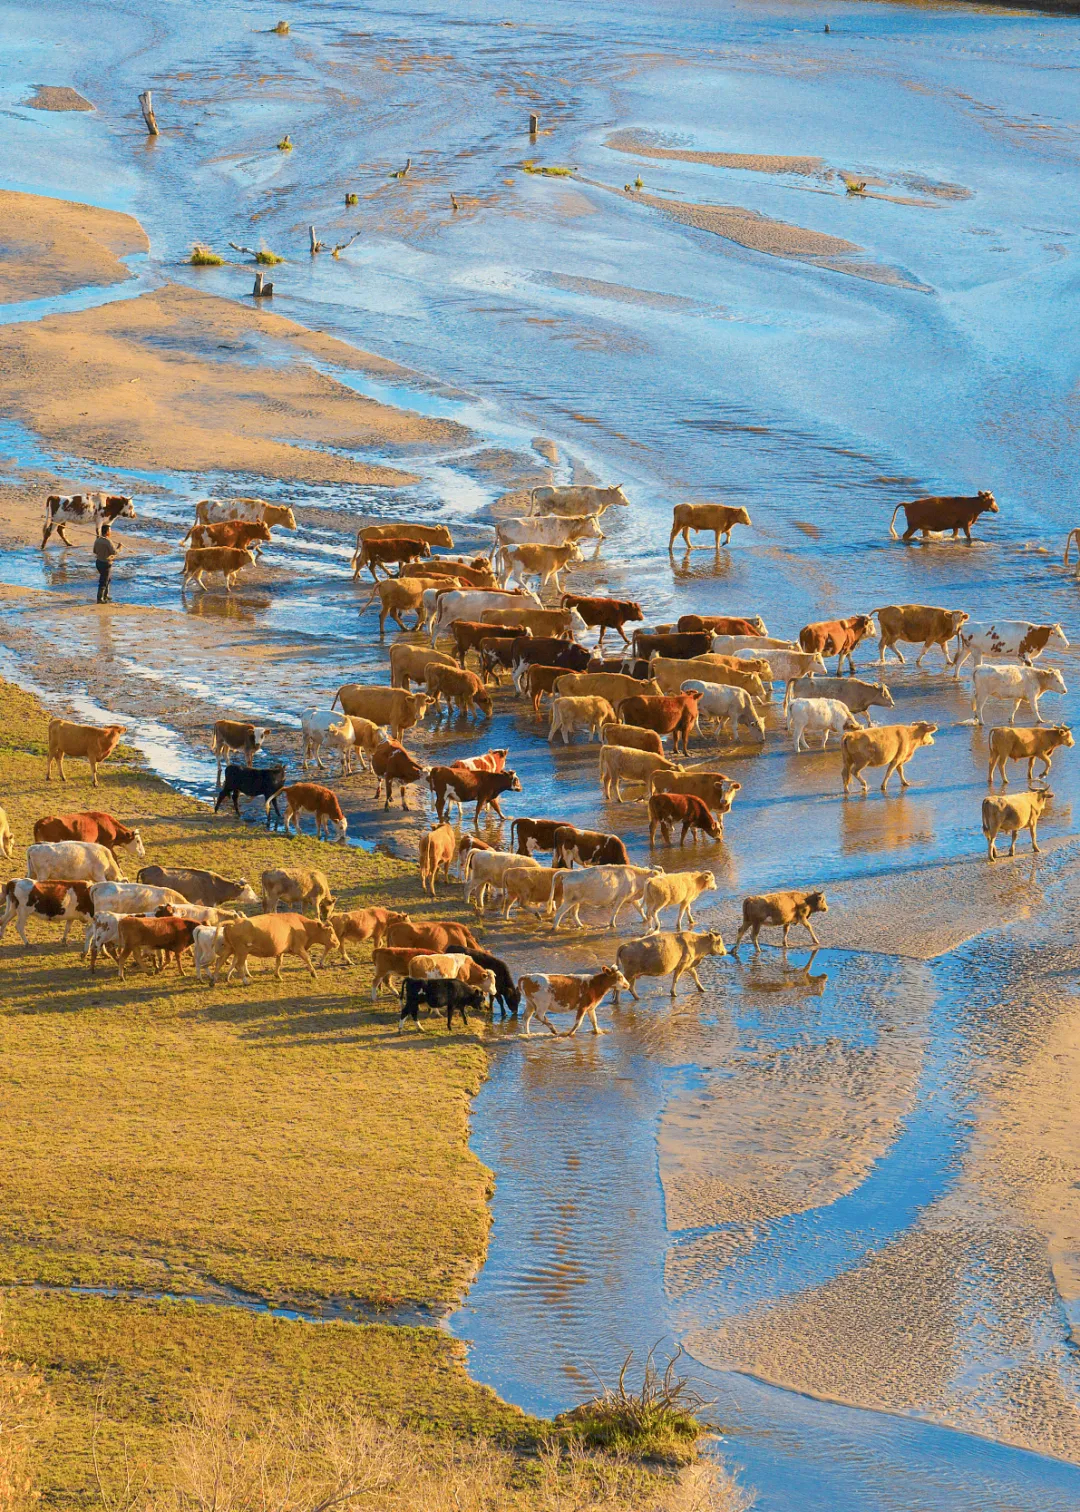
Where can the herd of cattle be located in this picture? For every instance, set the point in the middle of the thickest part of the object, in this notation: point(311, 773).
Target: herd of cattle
point(666, 684)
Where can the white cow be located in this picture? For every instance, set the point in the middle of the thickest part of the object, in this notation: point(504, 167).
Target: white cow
point(483, 871)
point(470, 603)
point(577, 498)
point(321, 727)
point(818, 716)
point(674, 890)
point(554, 531)
point(610, 887)
point(737, 645)
point(1019, 638)
point(787, 666)
point(1016, 686)
point(204, 949)
point(728, 706)
point(21, 899)
point(440, 966)
point(134, 898)
point(72, 861)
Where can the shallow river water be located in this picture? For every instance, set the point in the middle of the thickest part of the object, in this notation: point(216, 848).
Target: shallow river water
point(844, 1185)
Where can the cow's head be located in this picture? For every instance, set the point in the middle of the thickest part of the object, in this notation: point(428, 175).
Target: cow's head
point(884, 697)
point(118, 506)
point(923, 734)
point(247, 893)
point(816, 903)
point(987, 501)
point(740, 517)
point(713, 943)
point(135, 843)
point(1050, 678)
point(613, 495)
point(1057, 637)
point(633, 612)
point(279, 514)
point(515, 783)
point(1062, 735)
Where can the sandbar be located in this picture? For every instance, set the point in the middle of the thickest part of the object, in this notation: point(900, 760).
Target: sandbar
point(53, 246)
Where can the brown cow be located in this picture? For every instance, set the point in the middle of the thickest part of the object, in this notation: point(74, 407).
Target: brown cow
point(361, 925)
point(482, 788)
point(837, 638)
point(540, 831)
point(228, 560)
point(955, 512)
point(434, 535)
point(713, 788)
point(890, 746)
point(468, 635)
point(241, 534)
point(403, 595)
point(437, 850)
point(94, 743)
point(604, 613)
point(496, 654)
point(666, 809)
point(915, 623)
point(648, 643)
point(432, 938)
point(722, 624)
point(783, 909)
point(538, 682)
point(312, 798)
point(372, 554)
point(474, 574)
point(233, 735)
point(587, 848)
point(169, 937)
point(388, 962)
point(547, 651)
point(719, 518)
point(459, 687)
point(676, 715)
point(579, 995)
point(93, 827)
point(390, 763)
point(1010, 744)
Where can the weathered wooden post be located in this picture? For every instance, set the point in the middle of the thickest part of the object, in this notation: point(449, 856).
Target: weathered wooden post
point(315, 245)
point(534, 124)
point(262, 290)
point(149, 117)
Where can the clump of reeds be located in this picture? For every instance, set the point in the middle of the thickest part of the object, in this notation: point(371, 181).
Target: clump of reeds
point(352, 199)
point(530, 165)
point(853, 185)
point(203, 257)
point(657, 1422)
point(282, 29)
point(285, 145)
point(267, 258)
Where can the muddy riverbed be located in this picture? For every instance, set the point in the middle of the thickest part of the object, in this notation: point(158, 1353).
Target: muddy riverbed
point(846, 1185)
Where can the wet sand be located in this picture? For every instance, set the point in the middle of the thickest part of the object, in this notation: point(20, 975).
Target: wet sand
point(641, 145)
point(52, 247)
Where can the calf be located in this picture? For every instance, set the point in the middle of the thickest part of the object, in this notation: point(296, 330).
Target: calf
point(580, 994)
point(719, 518)
point(451, 966)
point(587, 847)
point(239, 534)
point(461, 688)
point(361, 925)
point(837, 638)
point(666, 809)
point(390, 966)
point(604, 613)
point(92, 743)
point(619, 764)
point(675, 714)
point(312, 798)
point(229, 561)
point(167, 937)
point(674, 890)
point(890, 746)
point(455, 997)
point(482, 788)
point(231, 735)
point(300, 886)
point(437, 850)
point(1021, 811)
point(506, 993)
point(818, 716)
point(662, 954)
point(46, 900)
point(92, 827)
point(782, 910)
point(206, 888)
point(569, 715)
point(260, 782)
point(1039, 744)
point(631, 738)
point(398, 549)
point(390, 763)
point(954, 512)
point(538, 682)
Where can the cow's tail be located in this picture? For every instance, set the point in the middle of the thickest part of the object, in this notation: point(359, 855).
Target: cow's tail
point(513, 834)
point(619, 708)
point(892, 522)
point(466, 866)
point(374, 595)
point(1068, 545)
point(557, 893)
point(337, 695)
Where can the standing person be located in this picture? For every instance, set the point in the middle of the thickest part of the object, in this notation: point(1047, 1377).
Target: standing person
point(105, 549)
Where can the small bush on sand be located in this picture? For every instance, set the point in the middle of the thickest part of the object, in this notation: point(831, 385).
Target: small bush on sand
point(202, 257)
point(657, 1422)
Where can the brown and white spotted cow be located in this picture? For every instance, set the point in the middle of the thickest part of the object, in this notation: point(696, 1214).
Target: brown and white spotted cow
point(579, 994)
point(95, 509)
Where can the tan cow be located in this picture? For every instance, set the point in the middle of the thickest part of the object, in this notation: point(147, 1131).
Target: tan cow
point(918, 624)
point(541, 622)
point(361, 925)
point(270, 936)
point(674, 890)
point(528, 887)
point(434, 535)
point(890, 746)
point(391, 549)
point(543, 562)
point(569, 715)
point(230, 561)
point(614, 686)
point(234, 735)
point(619, 764)
point(382, 705)
point(437, 850)
point(781, 910)
point(409, 664)
point(92, 743)
point(404, 595)
point(461, 688)
point(301, 887)
point(1038, 744)
point(719, 518)
point(753, 677)
point(7, 838)
point(632, 738)
point(672, 953)
point(1020, 811)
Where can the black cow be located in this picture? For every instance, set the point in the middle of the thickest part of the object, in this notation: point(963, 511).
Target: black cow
point(506, 991)
point(453, 996)
point(253, 782)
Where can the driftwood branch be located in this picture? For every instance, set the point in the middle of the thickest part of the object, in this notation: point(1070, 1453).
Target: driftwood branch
point(251, 252)
point(342, 245)
point(147, 106)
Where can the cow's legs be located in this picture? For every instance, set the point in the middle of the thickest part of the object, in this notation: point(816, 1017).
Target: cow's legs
point(810, 931)
point(1034, 839)
point(302, 953)
point(61, 531)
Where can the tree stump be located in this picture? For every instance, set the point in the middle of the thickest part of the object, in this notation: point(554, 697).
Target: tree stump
point(534, 124)
point(262, 289)
point(147, 107)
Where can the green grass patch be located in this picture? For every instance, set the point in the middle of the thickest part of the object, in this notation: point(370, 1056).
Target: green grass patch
point(203, 257)
point(531, 166)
